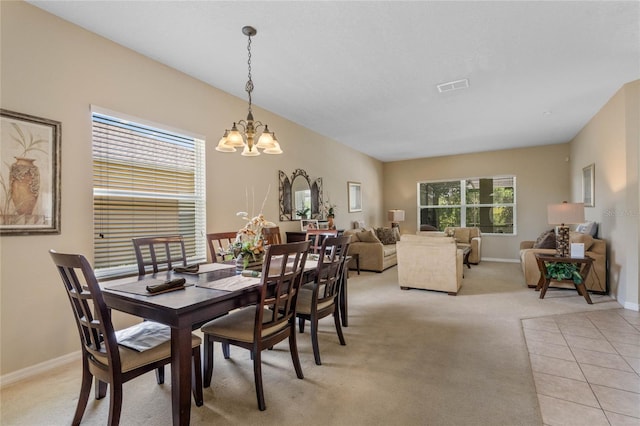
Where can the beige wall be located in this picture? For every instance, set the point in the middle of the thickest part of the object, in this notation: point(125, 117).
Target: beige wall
point(610, 141)
point(56, 70)
point(542, 177)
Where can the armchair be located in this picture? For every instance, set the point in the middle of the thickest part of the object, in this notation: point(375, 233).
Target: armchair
point(431, 263)
point(465, 237)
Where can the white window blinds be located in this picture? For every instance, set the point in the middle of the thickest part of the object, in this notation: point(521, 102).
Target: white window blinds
point(146, 182)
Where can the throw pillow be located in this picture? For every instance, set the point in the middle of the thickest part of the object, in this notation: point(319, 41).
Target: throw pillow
point(590, 228)
point(367, 236)
point(546, 240)
point(396, 233)
point(462, 235)
point(386, 235)
point(577, 237)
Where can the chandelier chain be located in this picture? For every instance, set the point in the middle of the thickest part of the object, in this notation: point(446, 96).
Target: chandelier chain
point(249, 85)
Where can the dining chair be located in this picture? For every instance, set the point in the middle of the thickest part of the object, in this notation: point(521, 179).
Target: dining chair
point(319, 299)
point(317, 236)
point(102, 355)
point(268, 322)
point(219, 242)
point(148, 248)
point(272, 235)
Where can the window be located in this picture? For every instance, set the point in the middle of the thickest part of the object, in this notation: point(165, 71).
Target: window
point(146, 181)
point(488, 203)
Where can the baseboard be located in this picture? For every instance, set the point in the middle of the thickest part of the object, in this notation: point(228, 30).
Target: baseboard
point(632, 306)
point(38, 369)
point(497, 259)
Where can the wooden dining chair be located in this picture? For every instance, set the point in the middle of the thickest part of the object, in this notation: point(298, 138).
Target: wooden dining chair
point(270, 321)
point(317, 236)
point(102, 357)
point(319, 299)
point(272, 235)
point(219, 242)
point(159, 253)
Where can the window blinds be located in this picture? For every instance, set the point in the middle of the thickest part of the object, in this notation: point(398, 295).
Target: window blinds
point(146, 182)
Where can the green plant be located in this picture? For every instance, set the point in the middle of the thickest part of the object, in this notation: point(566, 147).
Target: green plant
point(303, 212)
point(563, 271)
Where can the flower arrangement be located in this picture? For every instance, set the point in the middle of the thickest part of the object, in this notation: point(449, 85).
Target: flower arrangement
point(328, 209)
point(249, 241)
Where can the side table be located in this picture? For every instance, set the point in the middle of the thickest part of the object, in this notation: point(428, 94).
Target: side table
point(584, 267)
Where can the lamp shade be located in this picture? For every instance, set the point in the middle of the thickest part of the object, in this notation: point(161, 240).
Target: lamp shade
point(396, 215)
point(565, 213)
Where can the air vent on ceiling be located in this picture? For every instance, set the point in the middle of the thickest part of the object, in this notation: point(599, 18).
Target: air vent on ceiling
point(453, 85)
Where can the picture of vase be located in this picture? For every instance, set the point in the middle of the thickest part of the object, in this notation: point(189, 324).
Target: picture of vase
point(24, 180)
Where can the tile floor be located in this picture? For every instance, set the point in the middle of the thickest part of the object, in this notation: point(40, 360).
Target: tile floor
point(586, 367)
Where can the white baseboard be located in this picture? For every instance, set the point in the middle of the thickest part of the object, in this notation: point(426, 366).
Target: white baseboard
point(497, 259)
point(632, 306)
point(38, 369)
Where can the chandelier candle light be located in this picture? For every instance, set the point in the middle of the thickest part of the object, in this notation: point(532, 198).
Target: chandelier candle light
point(235, 138)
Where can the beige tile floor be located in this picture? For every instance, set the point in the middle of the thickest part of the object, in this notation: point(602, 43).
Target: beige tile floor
point(586, 367)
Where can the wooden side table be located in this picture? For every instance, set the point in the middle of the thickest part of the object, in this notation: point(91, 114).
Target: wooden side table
point(584, 267)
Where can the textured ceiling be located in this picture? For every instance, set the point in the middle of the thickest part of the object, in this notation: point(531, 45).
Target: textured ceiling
point(365, 73)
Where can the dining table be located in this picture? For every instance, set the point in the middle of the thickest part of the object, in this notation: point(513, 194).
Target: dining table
point(214, 290)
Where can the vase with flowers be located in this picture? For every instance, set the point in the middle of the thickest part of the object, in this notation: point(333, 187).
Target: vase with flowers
point(248, 247)
point(329, 211)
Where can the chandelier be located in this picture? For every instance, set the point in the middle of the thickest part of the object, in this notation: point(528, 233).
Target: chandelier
point(244, 138)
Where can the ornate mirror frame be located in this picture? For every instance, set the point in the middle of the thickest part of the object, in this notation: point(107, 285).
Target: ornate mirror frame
point(286, 195)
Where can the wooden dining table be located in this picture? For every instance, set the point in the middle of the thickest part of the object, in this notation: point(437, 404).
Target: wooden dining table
point(185, 310)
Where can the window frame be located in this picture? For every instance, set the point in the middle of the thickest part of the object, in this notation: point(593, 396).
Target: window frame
point(464, 205)
point(195, 219)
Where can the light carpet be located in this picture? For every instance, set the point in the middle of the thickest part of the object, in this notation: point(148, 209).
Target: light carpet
point(413, 357)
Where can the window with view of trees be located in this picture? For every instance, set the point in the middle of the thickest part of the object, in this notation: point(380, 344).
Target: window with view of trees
point(147, 181)
point(488, 203)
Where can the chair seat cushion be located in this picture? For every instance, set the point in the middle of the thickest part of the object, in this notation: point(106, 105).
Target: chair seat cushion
point(303, 305)
point(239, 325)
point(131, 359)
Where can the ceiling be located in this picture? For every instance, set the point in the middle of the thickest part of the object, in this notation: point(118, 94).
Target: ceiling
point(365, 73)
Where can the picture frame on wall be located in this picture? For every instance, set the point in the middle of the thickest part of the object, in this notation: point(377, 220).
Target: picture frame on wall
point(354, 193)
point(588, 186)
point(29, 174)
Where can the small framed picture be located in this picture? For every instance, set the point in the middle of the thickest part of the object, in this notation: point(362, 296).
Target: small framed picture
point(306, 224)
point(29, 175)
point(323, 224)
point(588, 186)
point(354, 192)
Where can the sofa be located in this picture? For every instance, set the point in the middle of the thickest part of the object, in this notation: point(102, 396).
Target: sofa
point(430, 263)
point(595, 248)
point(465, 237)
point(373, 253)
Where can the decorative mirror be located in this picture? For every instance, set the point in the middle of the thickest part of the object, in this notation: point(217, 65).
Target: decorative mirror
point(300, 198)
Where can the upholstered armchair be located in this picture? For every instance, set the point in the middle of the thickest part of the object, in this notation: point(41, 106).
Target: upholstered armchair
point(431, 263)
point(465, 237)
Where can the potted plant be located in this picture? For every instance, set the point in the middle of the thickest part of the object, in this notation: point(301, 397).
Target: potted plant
point(559, 271)
point(302, 213)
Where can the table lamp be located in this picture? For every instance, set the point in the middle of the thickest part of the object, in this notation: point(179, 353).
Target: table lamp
point(561, 215)
point(396, 216)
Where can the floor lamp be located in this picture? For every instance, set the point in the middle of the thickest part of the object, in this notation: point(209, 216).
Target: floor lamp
point(561, 215)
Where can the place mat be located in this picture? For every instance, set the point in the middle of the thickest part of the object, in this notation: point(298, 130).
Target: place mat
point(234, 283)
point(140, 287)
point(208, 267)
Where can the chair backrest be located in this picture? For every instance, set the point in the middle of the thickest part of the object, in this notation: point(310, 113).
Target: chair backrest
point(99, 344)
point(272, 235)
point(219, 243)
point(331, 264)
point(281, 278)
point(317, 236)
point(159, 253)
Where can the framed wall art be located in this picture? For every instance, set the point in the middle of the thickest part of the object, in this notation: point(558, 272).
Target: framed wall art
point(29, 174)
point(306, 224)
point(588, 186)
point(355, 196)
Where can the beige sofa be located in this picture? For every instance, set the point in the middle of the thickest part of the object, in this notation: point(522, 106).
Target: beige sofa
point(597, 249)
point(372, 254)
point(431, 263)
point(465, 237)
